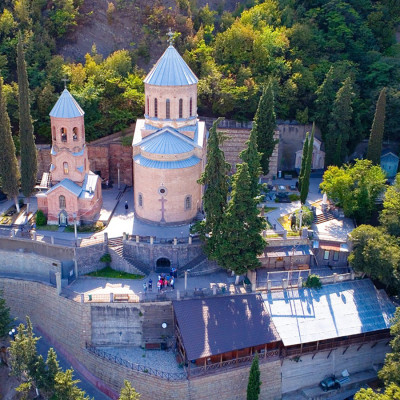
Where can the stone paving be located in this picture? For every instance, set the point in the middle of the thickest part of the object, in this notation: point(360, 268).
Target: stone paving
point(162, 360)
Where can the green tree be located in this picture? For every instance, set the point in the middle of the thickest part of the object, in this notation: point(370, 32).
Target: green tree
point(9, 172)
point(355, 188)
point(128, 392)
point(5, 318)
point(65, 387)
point(391, 392)
point(253, 387)
point(305, 182)
point(378, 125)
point(265, 121)
point(340, 124)
point(28, 149)
point(239, 240)
point(376, 254)
point(390, 215)
point(52, 369)
point(304, 159)
point(252, 157)
point(215, 180)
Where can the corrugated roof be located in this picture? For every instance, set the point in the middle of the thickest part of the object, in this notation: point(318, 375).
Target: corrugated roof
point(166, 143)
point(146, 162)
point(288, 251)
point(66, 107)
point(171, 70)
point(343, 309)
point(69, 185)
point(212, 326)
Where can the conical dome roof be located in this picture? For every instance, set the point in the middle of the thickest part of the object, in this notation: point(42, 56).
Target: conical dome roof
point(66, 107)
point(171, 70)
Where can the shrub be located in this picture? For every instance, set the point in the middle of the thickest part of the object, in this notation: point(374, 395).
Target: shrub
point(106, 258)
point(21, 202)
point(307, 218)
point(313, 281)
point(41, 219)
point(294, 197)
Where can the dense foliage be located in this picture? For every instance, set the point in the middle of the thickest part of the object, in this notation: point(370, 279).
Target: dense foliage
point(253, 386)
point(128, 392)
point(355, 188)
point(308, 50)
point(5, 318)
point(304, 178)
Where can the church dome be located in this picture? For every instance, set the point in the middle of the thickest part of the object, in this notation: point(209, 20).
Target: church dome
point(66, 107)
point(171, 70)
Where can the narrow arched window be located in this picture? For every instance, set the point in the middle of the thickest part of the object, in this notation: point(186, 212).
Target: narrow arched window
point(188, 202)
point(191, 107)
point(140, 200)
point(54, 134)
point(65, 165)
point(61, 201)
point(155, 108)
point(63, 135)
point(75, 133)
point(167, 109)
point(148, 106)
point(180, 108)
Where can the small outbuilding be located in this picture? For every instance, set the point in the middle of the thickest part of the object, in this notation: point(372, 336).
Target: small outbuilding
point(389, 163)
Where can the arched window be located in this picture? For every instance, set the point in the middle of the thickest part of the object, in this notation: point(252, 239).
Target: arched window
point(63, 135)
point(65, 165)
point(54, 134)
point(140, 200)
point(167, 109)
point(180, 108)
point(75, 133)
point(188, 202)
point(61, 200)
point(148, 106)
point(155, 108)
point(191, 107)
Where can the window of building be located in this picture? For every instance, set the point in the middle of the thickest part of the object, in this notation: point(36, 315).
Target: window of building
point(75, 133)
point(54, 134)
point(148, 105)
point(188, 202)
point(191, 107)
point(155, 108)
point(140, 200)
point(63, 135)
point(167, 109)
point(61, 200)
point(326, 255)
point(180, 108)
point(336, 256)
point(65, 168)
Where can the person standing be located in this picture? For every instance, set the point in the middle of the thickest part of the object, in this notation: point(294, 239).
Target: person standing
point(126, 207)
point(145, 287)
point(172, 283)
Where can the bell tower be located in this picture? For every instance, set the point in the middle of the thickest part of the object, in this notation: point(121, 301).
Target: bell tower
point(69, 156)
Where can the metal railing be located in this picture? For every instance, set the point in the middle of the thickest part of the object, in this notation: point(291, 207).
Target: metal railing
point(169, 376)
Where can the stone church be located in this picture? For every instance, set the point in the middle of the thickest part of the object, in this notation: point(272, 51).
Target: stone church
point(72, 191)
point(169, 145)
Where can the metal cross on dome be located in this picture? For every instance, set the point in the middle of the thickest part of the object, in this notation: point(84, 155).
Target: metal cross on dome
point(170, 35)
point(65, 80)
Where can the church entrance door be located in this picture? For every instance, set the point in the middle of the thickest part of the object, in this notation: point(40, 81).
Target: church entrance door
point(163, 265)
point(63, 218)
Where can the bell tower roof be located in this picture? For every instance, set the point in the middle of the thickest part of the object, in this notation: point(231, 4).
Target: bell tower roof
point(66, 107)
point(171, 70)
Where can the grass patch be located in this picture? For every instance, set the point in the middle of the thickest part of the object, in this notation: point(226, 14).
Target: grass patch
point(47, 228)
point(126, 140)
point(97, 227)
point(268, 209)
point(108, 272)
point(285, 221)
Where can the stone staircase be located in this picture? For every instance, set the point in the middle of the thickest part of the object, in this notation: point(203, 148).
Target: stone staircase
point(123, 262)
point(323, 217)
point(200, 265)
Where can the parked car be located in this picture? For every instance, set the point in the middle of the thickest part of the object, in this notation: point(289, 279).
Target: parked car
point(330, 383)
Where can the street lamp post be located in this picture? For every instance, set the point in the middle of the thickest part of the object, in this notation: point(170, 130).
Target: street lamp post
point(75, 229)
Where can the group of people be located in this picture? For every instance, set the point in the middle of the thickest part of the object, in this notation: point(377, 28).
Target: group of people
point(163, 282)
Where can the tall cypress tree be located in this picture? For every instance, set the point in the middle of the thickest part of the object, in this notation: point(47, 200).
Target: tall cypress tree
point(339, 125)
point(303, 160)
point(240, 241)
point(215, 180)
point(8, 161)
point(265, 121)
point(325, 98)
point(28, 149)
point(305, 185)
point(253, 387)
point(378, 125)
point(252, 157)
